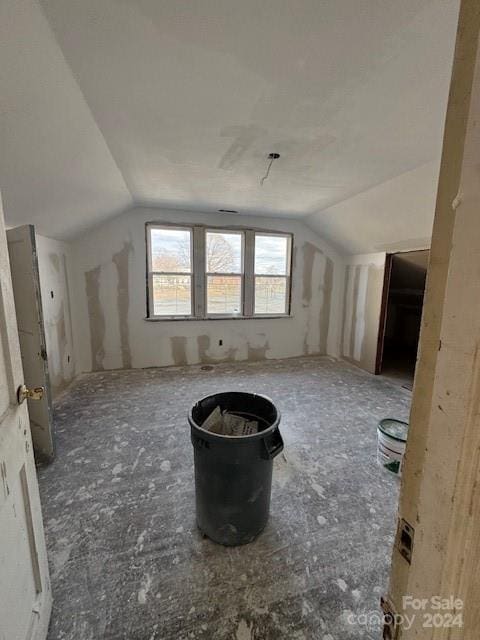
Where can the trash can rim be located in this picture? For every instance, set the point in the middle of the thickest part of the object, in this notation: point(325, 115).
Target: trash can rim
point(253, 436)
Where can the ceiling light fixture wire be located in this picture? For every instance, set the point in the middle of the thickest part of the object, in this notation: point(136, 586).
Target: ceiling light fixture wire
point(272, 157)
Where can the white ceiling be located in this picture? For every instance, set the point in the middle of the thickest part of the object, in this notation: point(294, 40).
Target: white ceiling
point(396, 215)
point(178, 103)
point(56, 170)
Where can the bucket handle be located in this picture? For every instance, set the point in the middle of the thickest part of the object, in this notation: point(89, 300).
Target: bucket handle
point(272, 444)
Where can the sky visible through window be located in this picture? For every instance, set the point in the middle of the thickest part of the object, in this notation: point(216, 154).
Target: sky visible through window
point(171, 250)
point(271, 255)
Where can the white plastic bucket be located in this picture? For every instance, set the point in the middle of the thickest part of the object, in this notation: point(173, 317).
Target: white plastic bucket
point(392, 440)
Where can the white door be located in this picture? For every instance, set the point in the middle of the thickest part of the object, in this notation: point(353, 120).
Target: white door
point(28, 304)
point(25, 595)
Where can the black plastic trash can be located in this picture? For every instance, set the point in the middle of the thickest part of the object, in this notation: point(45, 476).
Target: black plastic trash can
point(233, 474)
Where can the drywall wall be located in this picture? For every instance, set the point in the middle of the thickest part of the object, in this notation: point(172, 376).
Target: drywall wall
point(396, 215)
point(361, 308)
point(55, 278)
point(110, 301)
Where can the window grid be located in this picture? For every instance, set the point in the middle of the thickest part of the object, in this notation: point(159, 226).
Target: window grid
point(272, 290)
point(154, 274)
point(209, 274)
point(199, 275)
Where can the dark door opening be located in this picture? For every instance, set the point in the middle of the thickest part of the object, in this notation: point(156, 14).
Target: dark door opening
point(404, 289)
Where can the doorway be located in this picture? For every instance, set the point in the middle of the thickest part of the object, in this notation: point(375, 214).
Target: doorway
point(402, 305)
point(25, 276)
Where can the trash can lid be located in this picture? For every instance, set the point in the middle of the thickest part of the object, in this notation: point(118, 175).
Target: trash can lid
point(393, 428)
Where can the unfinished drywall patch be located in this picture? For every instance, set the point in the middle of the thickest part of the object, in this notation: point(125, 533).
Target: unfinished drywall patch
point(68, 302)
point(244, 136)
point(362, 304)
point(225, 355)
point(346, 314)
point(309, 253)
point(56, 374)
point(55, 260)
point(178, 345)
point(353, 329)
point(121, 261)
point(96, 318)
point(62, 332)
point(327, 291)
point(257, 353)
point(317, 286)
point(203, 343)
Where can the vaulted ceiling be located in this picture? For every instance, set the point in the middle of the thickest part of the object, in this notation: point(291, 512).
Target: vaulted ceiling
point(178, 103)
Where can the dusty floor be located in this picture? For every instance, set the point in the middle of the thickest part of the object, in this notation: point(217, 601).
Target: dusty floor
point(127, 560)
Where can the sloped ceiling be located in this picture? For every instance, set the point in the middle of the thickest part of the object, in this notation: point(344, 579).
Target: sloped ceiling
point(177, 103)
point(56, 170)
point(396, 215)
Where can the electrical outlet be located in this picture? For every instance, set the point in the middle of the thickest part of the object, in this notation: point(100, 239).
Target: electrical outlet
point(405, 536)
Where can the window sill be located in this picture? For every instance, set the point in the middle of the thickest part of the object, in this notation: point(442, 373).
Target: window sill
point(214, 318)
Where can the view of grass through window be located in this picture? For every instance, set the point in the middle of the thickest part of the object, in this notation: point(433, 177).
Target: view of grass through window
point(172, 269)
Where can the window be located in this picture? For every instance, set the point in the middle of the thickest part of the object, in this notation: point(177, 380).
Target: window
point(272, 274)
point(197, 273)
point(170, 271)
point(224, 269)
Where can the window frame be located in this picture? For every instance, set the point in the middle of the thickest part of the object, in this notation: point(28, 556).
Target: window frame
point(151, 274)
point(241, 233)
point(198, 274)
point(287, 276)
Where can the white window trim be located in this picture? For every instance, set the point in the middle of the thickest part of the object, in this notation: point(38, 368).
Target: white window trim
point(151, 273)
point(287, 276)
point(240, 233)
point(199, 273)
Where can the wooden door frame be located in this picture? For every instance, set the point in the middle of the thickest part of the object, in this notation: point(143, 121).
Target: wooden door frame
point(439, 498)
point(35, 366)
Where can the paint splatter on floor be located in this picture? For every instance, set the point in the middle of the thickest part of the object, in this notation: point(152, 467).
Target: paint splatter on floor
point(127, 560)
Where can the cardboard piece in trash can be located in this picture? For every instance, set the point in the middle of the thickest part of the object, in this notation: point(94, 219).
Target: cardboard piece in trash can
point(214, 422)
point(238, 426)
point(229, 424)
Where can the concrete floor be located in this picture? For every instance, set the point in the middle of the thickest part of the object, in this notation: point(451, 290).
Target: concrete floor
point(127, 560)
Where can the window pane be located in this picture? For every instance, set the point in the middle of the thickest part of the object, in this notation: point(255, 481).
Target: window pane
point(171, 250)
point(270, 295)
point(224, 252)
point(271, 255)
point(224, 294)
point(172, 295)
